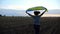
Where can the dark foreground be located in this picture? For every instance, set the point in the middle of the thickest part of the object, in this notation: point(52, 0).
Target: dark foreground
point(24, 25)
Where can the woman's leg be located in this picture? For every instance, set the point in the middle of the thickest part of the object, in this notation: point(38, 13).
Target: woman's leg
point(37, 29)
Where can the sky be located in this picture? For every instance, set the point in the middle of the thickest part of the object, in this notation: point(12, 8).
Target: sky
point(25, 4)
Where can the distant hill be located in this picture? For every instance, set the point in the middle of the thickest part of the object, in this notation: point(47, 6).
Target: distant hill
point(9, 12)
point(55, 11)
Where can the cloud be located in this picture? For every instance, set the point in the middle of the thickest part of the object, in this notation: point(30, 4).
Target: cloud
point(16, 7)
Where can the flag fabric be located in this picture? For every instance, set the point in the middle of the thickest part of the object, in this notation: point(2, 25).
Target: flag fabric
point(37, 8)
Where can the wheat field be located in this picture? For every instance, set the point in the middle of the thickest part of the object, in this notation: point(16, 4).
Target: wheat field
point(24, 25)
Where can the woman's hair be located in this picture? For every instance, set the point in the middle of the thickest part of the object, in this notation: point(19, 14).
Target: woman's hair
point(36, 12)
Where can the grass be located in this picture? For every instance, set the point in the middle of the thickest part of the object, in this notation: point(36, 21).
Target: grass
point(24, 25)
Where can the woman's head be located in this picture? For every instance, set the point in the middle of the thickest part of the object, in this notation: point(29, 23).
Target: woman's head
point(36, 13)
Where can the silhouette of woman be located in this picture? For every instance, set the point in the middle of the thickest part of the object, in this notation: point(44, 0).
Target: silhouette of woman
point(37, 20)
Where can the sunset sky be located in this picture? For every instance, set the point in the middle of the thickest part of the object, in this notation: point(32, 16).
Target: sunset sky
point(24, 4)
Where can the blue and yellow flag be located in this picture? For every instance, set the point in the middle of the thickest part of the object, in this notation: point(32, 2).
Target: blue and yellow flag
point(37, 8)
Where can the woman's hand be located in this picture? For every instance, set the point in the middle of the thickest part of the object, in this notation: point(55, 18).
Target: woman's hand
point(26, 11)
point(29, 14)
point(45, 10)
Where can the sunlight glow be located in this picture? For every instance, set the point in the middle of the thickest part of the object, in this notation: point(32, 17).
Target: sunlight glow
point(51, 15)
